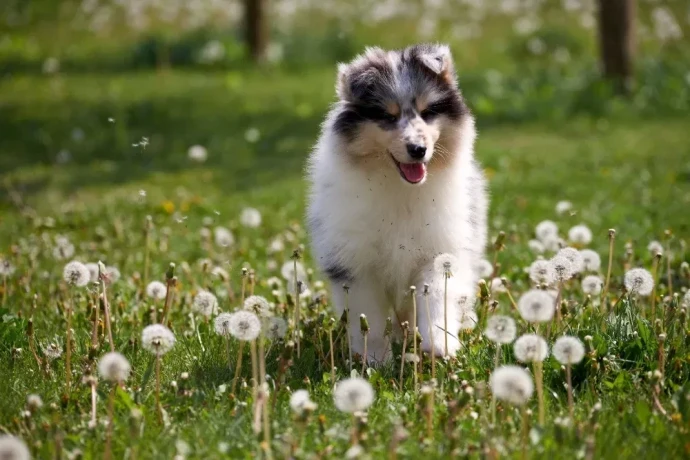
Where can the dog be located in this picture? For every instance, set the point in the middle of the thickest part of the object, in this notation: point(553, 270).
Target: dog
point(395, 191)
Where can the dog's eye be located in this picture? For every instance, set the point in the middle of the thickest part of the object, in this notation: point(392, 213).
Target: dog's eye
point(427, 114)
point(390, 117)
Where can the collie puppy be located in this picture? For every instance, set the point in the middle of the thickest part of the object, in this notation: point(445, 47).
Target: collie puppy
point(397, 198)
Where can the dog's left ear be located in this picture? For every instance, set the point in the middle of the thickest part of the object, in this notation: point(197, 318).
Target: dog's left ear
point(438, 59)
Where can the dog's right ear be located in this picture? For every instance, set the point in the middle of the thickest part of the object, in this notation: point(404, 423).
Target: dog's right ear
point(356, 80)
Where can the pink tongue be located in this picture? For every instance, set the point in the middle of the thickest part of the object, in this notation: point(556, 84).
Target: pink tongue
point(413, 172)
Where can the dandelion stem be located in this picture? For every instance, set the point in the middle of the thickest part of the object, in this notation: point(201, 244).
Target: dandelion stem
point(445, 314)
point(365, 353)
point(330, 343)
point(355, 430)
point(347, 326)
point(655, 275)
point(493, 397)
point(570, 391)
point(195, 325)
point(525, 431)
point(159, 409)
point(414, 334)
point(227, 351)
point(431, 339)
point(402, 358)
point(147, 248)
point(109, 432)
point(255, 369)
point(612, 237)
point(539, 380)
point(96, 309)
point(238, 368)
point(170, 284)
point(68, 347)
point(93, 403)
point(106, 312)
point(297, 309)
point(244, 286)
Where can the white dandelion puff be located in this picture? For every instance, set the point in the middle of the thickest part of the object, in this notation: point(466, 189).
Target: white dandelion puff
point(554, 244)
point(76, 274)
point(156, 290)
point(259, 305)
point(112, 274)
point(541, 272)
point(276, 328)
point(654, 248)
point(686, 299)
point(562, 268)
point(563, 206)
point(530, 348)
point(574, 256)
point(580, 234)
point(245, 325)
point(468, 320)
point(114, 367)
point(536, 246)
point(568, 350)
point(592, 285)
point(500, 329)
point(6, 268)
point(512, 384)
point(222, 324)
point(639, 281)
point(546, 230)
point(288, 272)
point(445, 264)
point(353, 395)
point(197, 153)
point(205, 304)
point(93, 271)
point(276, 245)
point(411, 358)
point(591, 261)
point(250, 217)
point(485, 268)
point(34, 402)
point(274, 282)
point(497, 287)
point(300, 401)
point(52, 351)
point(221, 273)
point(223, 237)
point(536, 306)
point(13, 448)
point(63, 249)
point(157, 339)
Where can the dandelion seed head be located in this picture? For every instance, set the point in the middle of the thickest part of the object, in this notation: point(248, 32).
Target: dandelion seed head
point(511, 384)
point(288, 272)
point(156, 290)
point(654, 248)
point(220, 273)
point(353, 395)
point(536, 246)
point(686, 299)
point(563, 206)
point(530, 348)
point(250, 217)
point(274, 282)
point(157, 339)
point(93, 271)
point(562, 268)
point(554, 244)
point(34, 402)
point(245, 325)
point(500, 329)
point(76, 274)
point(497, 287)
point(591, 262)
point(546, 230)
point(222, 324)
point(300, 401)
point(580, 234)
point(639, 281)
point(112, 274)
point(485, 268)
point(592, 285)
point(468, 320)
point(536, 306)
point(541, 272)
point(575, 258)
point(223, 237)
point(568, 350)
point(275, 246)
point(445, 264)
point(13, 448)
point(52, 351)
point(276, 328)
point(205, 304)
point(6, 268)
point(258, 305)
point(197, 153)
point(114, 367)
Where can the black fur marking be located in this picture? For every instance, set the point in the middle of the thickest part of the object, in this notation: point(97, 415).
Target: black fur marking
point(451, 106)
point(347, 122)
point(338, 273)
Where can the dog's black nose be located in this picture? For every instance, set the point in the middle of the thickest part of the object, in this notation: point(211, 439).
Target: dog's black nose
point(416, 151)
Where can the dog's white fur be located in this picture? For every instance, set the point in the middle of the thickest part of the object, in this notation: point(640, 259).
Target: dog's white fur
point(387, 232)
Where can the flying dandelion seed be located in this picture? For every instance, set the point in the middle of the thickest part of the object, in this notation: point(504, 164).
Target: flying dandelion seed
point(205, 304)
point(541, 272)
point(500, 329)
point(580, 234)
point(530, 348)
point(197, 153)
point(259, 305)
point(546, 230)
point(563, 206)
point(250, 217)
point(512, 384)
point(568, 350)
point(300, 402)
point(276, 328)
point(353, 395)
point(591, 262)
point(577, 263)
point(156, 290)
point(592, 285)
point(639, 281)
point(536, 306)
point(76, 274)
point(13, 448)
point(245, 325)
point(562, 268)
point(157, 339)
point(114, 367)
point(222, 324)
point(654, 248)
point(223, 237)
point(485, 268)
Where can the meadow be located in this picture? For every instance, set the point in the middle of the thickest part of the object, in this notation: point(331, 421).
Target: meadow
point(106, 156)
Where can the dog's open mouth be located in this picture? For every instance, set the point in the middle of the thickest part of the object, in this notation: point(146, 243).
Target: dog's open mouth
point(414, 173)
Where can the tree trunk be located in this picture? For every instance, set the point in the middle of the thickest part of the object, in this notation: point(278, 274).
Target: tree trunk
point(617, 41)
point(256, 28)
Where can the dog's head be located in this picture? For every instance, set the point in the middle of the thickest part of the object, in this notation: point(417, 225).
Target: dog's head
point(401, 106)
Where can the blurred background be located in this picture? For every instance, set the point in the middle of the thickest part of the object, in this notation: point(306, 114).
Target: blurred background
point(226, 96)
